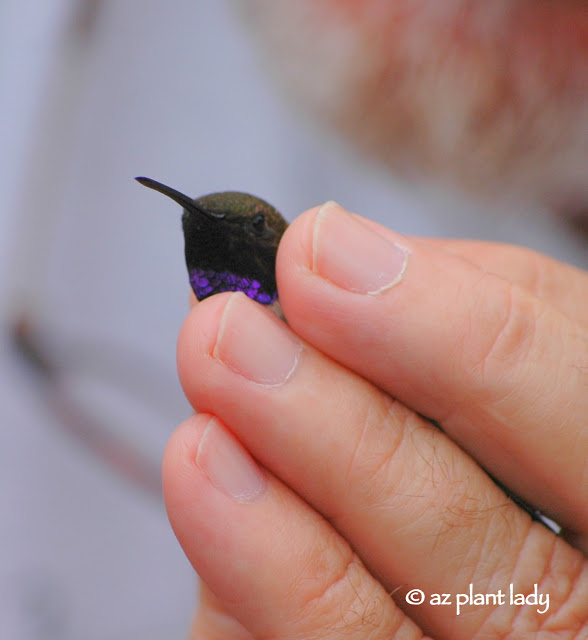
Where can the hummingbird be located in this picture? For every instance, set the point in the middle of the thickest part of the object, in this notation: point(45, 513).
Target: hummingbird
point(231, 241)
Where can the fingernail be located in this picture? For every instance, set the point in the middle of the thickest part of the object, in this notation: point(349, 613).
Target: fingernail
point(353, 256)
point(228, 465)
point(254, 344)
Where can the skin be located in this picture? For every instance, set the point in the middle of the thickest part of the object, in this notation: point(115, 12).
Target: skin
point(488, 96)
point(358, 499)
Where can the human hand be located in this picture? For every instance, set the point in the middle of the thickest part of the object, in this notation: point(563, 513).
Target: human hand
point(355, 499)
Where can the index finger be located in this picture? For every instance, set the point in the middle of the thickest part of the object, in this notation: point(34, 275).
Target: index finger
point(559, 284)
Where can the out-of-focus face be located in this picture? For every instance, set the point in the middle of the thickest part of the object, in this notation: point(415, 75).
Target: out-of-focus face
point(491, 94)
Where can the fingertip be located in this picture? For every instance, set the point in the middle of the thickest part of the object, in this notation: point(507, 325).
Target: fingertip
point(180, 453)
point(184, 440)
point(198, 334)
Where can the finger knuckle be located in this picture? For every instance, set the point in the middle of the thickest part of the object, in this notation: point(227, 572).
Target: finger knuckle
point(375, 464)
point(561, 574)
point(503, 328)
point(349, 600)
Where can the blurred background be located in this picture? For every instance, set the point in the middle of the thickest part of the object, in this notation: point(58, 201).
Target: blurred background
point(93, 284)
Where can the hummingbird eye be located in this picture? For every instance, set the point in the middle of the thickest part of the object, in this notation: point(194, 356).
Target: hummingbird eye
point(258, 223)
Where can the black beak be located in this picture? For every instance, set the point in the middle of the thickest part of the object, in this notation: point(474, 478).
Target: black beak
point(182, 199)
